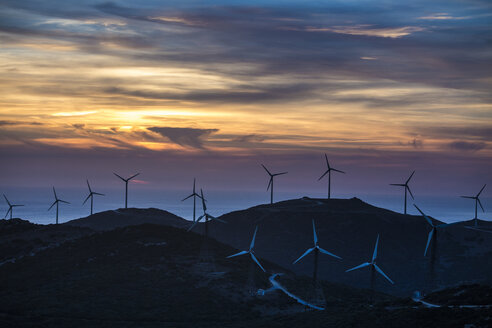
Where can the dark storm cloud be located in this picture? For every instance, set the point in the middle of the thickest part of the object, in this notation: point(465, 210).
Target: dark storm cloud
point(184, 136)
point(467, 145)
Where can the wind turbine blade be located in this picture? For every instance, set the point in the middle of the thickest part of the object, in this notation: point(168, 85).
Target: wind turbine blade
point(52, 205)
point(54, 192)
point(411, 175)
point(327, 162)
point(471, 197)
point(326, 172)
point(214, 218)
point(266, 169)
point(280, 173)
point(431, 233)
point(194, 223)
point(315, 237)
point(97, 193)
point(425, 216)
point(480, 203)
point(6, 199)
point(133, 176)
point(337, 171)
point(328, 253)
point(270, 182)
point(86, 199)
point(237, 254)
point(257, 262)
point(375, 253)
point(481, 190)
point(64, 201)
point(408, 188)
point(17, 205)
point(378, 269)
point(363, 265)
point(305, 253)
point(8, 211)
point(187, 197)
point(397, 184)
point(88, 185)
point(252, 244)
point(203, 201)
point(119, 176)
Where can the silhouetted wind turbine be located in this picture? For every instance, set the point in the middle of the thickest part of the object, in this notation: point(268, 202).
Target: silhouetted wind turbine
point(56, 202)
point(205, 216)
point(91, 196)
point(270, 183)
point(126, 186)
point(328, 171)
point(194, 195)
point(405, 185)
point(316, 250)
point(373, 266)
point(477, 202)
point(250, 251)
point(433, 233)
point(11, 207)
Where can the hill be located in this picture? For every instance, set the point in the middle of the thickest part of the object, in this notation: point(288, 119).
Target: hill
point(348, 228)
point(123, 217)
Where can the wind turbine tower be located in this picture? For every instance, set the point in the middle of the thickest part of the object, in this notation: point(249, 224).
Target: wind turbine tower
point(11, 207)
point(477, 202)
point(194, 195)
point(250, 251)
point(126, 186)
point(270, 182)
point(316, 250)
point(374, 267)
point(407, 188)
point(328, 171)
point(57, 202)
point(91, 196)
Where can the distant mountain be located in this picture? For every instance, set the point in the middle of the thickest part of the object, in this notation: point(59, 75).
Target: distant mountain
point(123, 217)
point(348, 228)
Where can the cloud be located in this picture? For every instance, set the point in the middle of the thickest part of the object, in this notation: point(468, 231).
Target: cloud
point(368, 30)
point(13, 123)
point(250, 138)
point(467, 145)
point(190, 137)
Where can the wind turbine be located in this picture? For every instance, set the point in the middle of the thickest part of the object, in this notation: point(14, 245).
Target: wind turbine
point(205, 216)
point(373, 266)
point(316, 250)
point(477, 202)
point(405, 185)
point(328, 171)
point(56, 202)
point(433, 233)
point(126, 186)
point(270, 183)
point(250, 251)
point(11, 207)
point(91, 196)
point(194, 195)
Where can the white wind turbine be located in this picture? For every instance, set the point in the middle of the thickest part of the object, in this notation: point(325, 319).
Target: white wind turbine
point(250, 251)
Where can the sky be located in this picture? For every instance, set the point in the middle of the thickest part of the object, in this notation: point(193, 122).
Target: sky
point(211, 89)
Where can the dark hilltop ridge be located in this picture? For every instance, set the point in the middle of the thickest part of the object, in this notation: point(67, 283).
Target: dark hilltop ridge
point(349, 228)
point(123, 217)
point(141, 268)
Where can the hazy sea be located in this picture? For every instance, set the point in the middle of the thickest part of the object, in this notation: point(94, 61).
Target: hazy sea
point(38, 200)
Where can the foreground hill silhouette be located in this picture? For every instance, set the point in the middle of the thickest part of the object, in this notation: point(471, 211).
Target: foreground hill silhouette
point(146, 275)
point(348, 228)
